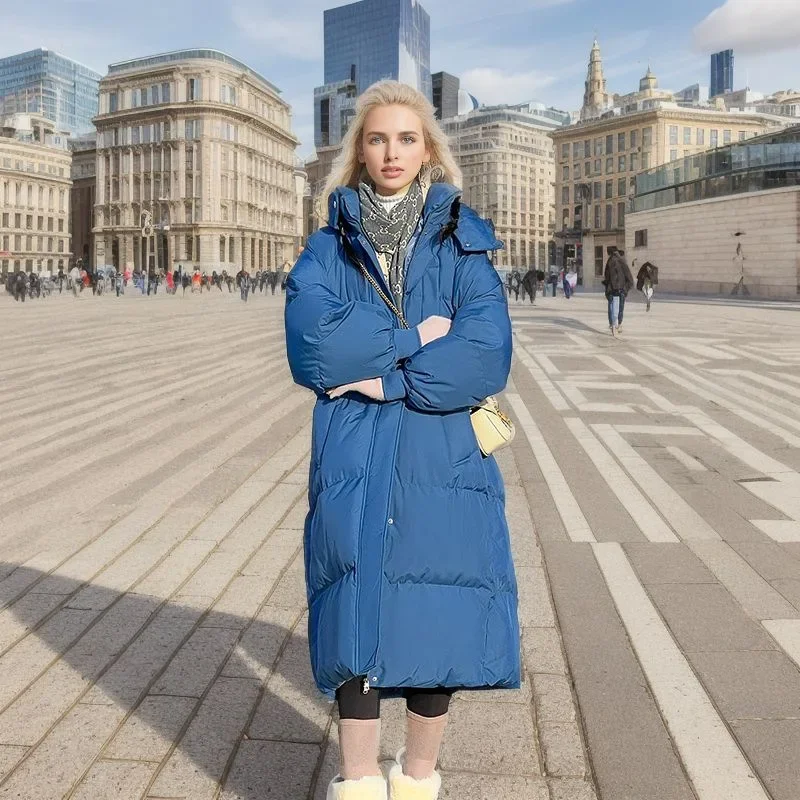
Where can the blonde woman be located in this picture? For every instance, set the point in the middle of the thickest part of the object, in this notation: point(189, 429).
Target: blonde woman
point(396, 318)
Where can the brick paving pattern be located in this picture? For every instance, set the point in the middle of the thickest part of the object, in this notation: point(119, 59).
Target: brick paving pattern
point(153, 642)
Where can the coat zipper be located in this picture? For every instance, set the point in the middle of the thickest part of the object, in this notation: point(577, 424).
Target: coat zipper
point(356, 649)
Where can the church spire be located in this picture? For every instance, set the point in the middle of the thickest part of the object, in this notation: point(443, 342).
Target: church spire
point(595, 99)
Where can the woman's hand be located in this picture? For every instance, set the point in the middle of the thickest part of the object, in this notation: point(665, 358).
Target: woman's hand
point(370, 387)
point(433, 328)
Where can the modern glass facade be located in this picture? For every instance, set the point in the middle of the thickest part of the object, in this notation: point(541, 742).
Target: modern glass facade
point(366, 42)
point(724, 171)
point(721, 73)
point(46, 83)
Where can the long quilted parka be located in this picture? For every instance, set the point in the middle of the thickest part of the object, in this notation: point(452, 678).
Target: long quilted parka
point(408, 565)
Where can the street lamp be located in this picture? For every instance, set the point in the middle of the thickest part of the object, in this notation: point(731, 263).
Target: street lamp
point(147, 233)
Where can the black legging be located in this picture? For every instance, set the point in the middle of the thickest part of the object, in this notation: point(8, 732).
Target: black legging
point(354, 704)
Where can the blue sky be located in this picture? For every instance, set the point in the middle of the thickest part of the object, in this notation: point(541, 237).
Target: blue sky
point(503, 50)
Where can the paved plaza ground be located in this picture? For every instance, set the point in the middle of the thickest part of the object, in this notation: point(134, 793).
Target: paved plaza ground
point(153, 466)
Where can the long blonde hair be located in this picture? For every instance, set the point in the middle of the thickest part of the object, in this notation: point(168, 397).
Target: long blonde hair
point(346, 168)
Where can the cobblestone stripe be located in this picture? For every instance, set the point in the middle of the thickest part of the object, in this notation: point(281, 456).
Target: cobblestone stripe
point(711, 756)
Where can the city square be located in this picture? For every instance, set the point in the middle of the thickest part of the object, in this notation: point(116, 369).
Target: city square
point(153, 639)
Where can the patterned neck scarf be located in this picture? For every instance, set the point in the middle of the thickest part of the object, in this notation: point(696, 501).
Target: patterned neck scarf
point(390, 234)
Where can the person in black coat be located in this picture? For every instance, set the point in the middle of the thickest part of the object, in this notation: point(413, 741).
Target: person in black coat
point(646, 279)
point(530, 283)
point(618, 281)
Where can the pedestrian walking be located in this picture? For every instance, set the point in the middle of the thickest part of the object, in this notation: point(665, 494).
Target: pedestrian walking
point(529, 284)
point(243, 282)
point(618, 281)
point(410, 581)
point(646, 279)
point(516, 283)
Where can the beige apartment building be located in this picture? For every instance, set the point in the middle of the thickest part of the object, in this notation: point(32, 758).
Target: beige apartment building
point(598, 158)
point(204, 144)
point(34, 196)
point(506, 158)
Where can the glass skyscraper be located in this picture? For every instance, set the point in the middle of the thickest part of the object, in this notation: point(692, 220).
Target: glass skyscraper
point(721, 73)
point(46, 83)
point(365, 42)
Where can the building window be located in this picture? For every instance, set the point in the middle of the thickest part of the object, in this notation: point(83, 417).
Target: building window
point(565, 173)
point(634, 162)
point(726, 137)
point(577, 171)
point(564, 151)
point(587, 149)
point(609, 144)
point(742, 135)
point(609, 217)
point(565, 195)
point(622, 166)
point(597, 190)
point(687, 135)
point(673, 134)
point(609, 165)
point(61, 226)
point(620, 142)
point(640, 238)
point(598, 147)
point(673, 155)
point(609, 189)
point(193, 88)
point(597, 217)
point(165, 93)
point(598, 166)
point(193, 128)
point(701, 136)
point(620, 215)
point(714, 139)
point(227, 94)
point(622, 186)
point(647, 137)
point(576, 150)
point(113, 102)
point(598, 260)
point(634, 135)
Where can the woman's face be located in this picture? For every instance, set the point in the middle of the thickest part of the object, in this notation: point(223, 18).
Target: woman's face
point(392, 148)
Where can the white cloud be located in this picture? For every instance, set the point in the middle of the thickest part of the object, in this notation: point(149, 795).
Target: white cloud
point(492, 85)
point(750, 26)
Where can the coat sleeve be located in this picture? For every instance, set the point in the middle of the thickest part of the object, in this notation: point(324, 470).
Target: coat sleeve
point(331, 341)
point(473, 361)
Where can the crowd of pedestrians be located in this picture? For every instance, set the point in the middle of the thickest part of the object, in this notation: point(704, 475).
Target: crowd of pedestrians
point(26, 285)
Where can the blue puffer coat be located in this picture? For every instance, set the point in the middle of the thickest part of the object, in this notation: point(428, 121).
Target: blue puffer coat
point(408, 563)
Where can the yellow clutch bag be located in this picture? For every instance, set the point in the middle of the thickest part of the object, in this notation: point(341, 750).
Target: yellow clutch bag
point(493, 429)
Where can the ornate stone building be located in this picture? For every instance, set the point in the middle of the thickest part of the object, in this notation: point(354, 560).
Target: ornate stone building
point(34, 196)
point(204, 144)
point(506, 158)
point(598, 158)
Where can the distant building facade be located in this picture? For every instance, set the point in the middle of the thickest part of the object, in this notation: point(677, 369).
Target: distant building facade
point(34, 196)
point(204, 144)
point(366, 42)
point(445, 94)
point(722, 72)
point(598, 159)
point(49, 85)
point(735, 210)
point(506, 158)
